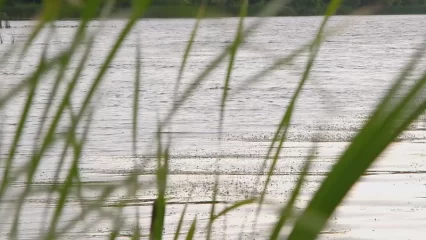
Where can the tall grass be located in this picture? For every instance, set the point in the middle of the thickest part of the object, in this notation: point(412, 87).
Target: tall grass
point(389, 119)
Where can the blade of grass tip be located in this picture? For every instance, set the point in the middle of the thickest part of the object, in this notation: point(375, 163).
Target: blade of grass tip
point(48, 65)
point(137, 12)
point(182, 216)
point(397, 121)
point(88, 12)
point(314, 48)
point(286, 120)
point(136, 231)
point(22, 85)
point(77, 181)
point(66, 102)
point(213, 207)
point(315, 216)
point(72, 173)
point(77, 73)
point(412, 117)
point(49, 137)
point(277, 63)
point(18, 135)
point(255, 78)
point(225, 224)
point(188, 48)
point(87, 15)
point(358, 157)
point(50, 12)
point(192, 229)
point(91, 207)
point(271, 8)
point(4, 58)
point(409, 67)
point(403, 107)
point(74, 79)
point(159, 207)
point(48, 104)
point(54, 188)
point(287, 211)
point(185, 58)
point(233, 207)
point(21, 125)
point(136, 96)
point(118, 224)
point(233, 52)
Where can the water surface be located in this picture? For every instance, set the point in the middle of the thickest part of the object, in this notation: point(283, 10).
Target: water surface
point(352, 72)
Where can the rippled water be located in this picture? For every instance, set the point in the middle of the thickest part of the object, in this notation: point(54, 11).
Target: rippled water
point(353, 70)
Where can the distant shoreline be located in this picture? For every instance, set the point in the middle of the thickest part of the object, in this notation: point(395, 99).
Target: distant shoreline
point(28, 12)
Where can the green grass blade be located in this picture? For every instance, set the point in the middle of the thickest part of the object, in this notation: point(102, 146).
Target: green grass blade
point(36, 158)
point(277, 63)
point(88, 12)
point(72, 174)
point(213, 207)
point(136, 96)
point(22, 122)
point(51, 9)
point(47, 66)
point(233, 52)
point(118, 224)
point(271, 8)
point(61, 161)
point(182, 216)
point(233, 207)
point(287, 211)
point(49, 138)
point(90, 208)
point(136, 231)
point(138, 11)
point(286, 119)
point(188, 48)
point(159, 207)
point(409, 67)
point(179, 227)
point(185, 59)
point(365, 148)
point(12, 151)
point(192, 229)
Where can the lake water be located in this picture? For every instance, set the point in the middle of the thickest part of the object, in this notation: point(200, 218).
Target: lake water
point(354, 68)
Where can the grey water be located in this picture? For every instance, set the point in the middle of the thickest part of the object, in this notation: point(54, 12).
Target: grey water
point(357, 63)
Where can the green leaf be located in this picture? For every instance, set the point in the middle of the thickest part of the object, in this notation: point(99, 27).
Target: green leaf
point(192, 229)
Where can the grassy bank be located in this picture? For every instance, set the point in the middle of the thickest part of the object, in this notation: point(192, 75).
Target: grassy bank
point(21, 12)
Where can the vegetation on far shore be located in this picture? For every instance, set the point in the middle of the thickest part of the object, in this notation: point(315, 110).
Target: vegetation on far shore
point(28, 9)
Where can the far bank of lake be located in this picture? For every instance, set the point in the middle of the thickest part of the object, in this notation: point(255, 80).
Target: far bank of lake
point(30, 11)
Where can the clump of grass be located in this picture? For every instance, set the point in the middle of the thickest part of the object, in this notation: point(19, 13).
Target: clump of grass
point(388, 120)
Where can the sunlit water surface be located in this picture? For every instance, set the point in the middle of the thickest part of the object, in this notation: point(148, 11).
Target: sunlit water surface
point(354, 68)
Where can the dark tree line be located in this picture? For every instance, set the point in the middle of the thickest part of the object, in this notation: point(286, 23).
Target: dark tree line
point(295, 3)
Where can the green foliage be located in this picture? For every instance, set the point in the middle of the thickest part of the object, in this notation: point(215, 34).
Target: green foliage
point(389, 119)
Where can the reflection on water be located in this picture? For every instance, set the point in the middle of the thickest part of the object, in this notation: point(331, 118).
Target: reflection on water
point(352, 71)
